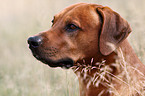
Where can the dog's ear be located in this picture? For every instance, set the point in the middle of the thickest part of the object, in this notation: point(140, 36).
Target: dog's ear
point(114, 30)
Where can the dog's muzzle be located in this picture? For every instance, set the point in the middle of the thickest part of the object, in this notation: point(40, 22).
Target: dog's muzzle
point(35, 43)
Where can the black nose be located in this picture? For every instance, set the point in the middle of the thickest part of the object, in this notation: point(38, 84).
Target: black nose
point(35, 41)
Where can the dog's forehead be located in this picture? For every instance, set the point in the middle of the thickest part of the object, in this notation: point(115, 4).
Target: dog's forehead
point(81, 10)
point(77, 9)
point(74, 7)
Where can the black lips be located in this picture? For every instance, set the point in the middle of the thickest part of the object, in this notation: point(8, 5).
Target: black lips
point(63, 63)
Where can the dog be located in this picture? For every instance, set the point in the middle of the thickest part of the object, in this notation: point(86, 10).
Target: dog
point(91, 39)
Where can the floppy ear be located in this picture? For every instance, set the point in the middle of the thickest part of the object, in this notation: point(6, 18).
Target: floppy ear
point(114, 30)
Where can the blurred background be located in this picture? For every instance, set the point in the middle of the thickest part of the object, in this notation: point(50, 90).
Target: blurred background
point(20, 73)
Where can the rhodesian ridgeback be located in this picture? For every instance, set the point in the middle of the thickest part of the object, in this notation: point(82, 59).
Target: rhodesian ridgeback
point(91, 39)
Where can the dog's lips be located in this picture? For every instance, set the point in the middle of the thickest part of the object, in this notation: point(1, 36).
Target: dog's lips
point(63, 63)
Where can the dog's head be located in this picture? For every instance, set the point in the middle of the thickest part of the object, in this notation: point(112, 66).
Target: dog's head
point(81, 31)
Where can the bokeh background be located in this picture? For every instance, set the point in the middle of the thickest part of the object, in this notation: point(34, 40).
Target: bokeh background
point(20, 73)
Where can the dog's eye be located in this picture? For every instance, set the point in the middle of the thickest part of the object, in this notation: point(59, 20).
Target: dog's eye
point(71, 27)
point(52, 21)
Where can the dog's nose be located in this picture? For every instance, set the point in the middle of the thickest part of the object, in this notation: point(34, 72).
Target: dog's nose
point(35, 41)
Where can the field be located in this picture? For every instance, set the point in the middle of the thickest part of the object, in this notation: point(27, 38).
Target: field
point(20, 73)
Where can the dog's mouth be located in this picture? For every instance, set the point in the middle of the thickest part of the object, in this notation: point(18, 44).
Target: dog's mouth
point(63, 63)
point(45, 55)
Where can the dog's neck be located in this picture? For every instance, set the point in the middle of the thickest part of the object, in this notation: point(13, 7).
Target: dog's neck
point(92, 76)
point(95, 79)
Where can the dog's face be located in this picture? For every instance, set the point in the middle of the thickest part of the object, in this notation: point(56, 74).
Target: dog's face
point(74, 36)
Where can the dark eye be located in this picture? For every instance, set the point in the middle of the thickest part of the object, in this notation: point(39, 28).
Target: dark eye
point(71, 27)
point(52, 21)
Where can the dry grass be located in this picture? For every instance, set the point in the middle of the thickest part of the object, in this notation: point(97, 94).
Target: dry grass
point(128, 82)
point(20, 73)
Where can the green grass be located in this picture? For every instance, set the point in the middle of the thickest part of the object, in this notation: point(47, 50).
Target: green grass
point(20, 73)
